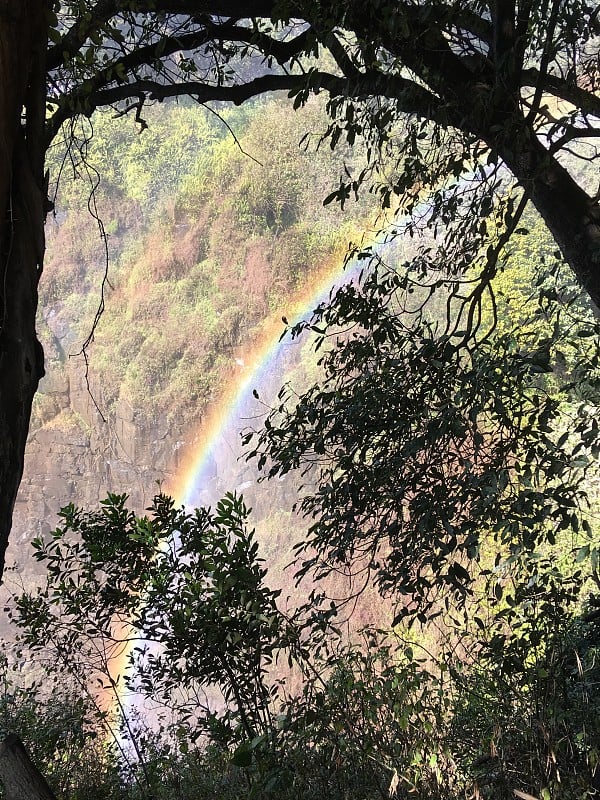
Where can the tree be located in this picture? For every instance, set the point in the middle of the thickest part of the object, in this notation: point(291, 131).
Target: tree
point(423, 460)
point(178, 601)
point(23, 36)
point(173, 603)
point(436, 86)
point(172, 607)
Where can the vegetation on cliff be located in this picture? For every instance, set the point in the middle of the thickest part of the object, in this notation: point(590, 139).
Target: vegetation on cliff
point(206, 237)
point(448, 449)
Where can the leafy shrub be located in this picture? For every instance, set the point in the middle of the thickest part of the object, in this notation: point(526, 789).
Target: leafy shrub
point(503, 698)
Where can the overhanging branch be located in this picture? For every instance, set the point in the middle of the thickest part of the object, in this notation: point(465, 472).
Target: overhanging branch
point(588, 102)
point(410, 97)
point(104, 10)
point(203, 93)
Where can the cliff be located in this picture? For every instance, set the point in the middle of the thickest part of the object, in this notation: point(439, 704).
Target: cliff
point(203, 242)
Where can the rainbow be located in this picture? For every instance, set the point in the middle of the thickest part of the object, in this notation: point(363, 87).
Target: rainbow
point(226, 412)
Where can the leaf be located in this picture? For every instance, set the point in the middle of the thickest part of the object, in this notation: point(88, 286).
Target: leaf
point(330, 198)
point(242, 757)
point(582, 554)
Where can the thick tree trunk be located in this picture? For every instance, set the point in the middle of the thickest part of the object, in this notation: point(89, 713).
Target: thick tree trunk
point(20, 778)
point(572, 216)
point(23, 42)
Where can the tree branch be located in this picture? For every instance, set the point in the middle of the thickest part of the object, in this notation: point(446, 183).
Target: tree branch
point(76, 101)
point(152, 90)
point(524, 9)
point(79, 32)
point(340, 55)
point(104, 10)
point(546, 56)
point(411, 98)
point(566, 90)
point(424, 49)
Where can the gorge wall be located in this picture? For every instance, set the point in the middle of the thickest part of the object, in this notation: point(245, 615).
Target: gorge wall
point(203, 243)
point(80, 457)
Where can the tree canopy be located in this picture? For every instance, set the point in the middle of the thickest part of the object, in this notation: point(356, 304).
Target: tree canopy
point(439, 86)
point(455, 101)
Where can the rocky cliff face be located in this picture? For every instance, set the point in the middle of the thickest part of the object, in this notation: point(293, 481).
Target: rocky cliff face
point(77, 457)
point(80, 448)
point(192, 278)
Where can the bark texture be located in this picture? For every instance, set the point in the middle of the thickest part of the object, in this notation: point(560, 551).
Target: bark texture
point(20, 778)
point(572, 216)
point(23, 40)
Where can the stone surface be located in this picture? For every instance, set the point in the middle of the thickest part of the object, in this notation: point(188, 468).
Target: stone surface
point(77, 458)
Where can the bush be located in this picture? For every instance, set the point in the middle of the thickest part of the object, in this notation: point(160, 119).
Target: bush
point(256, 703)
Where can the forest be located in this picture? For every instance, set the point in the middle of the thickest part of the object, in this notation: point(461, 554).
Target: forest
point(412, 607)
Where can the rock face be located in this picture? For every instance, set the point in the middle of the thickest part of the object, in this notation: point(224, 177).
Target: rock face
point(79, 450)
point(83, 444)
point(78, 456)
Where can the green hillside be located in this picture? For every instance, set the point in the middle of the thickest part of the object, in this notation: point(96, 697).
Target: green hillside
point(211, 222)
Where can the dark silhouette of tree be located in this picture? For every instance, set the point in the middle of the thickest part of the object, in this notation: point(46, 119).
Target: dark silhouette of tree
point(441, 88)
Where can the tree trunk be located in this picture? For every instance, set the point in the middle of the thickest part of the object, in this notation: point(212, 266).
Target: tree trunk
point(21, 779)
point(572, 216)
point(23, 39)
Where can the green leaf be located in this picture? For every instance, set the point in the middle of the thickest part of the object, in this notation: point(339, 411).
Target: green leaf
point(242, 757)
point(582, 554)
